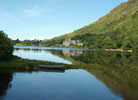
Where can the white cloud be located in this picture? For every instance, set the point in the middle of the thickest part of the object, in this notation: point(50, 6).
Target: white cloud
point(32, 12)
point(35, 11)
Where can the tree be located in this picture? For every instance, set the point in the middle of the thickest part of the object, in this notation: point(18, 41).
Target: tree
point(6, 46)
point(17, 41)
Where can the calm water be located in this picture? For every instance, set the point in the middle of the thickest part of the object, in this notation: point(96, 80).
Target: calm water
point(39, 54)
point(105, 76)
point(46, 53)
point(70, 85)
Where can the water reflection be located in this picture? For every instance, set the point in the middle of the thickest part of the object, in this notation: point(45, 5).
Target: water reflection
point(58, 86)
point(119, 85)
point(39, 54)
point(117, 70)
point(96, 57)
point(5, 79)
point(70, 53)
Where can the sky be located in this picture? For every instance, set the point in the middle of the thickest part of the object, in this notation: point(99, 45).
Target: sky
point(45, 19)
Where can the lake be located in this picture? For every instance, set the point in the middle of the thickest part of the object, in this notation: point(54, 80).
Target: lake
point(105, 76)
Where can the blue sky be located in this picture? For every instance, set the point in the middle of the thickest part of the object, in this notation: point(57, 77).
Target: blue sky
point(45, 19)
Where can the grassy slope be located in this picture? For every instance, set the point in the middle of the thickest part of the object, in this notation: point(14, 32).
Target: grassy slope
point(120, 26)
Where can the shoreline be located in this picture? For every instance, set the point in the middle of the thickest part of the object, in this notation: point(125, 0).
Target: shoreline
point(17, 63)
point(118, 50)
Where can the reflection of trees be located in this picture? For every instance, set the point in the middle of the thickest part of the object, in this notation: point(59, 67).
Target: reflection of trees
point(117, 70)
point(5, 79)
point(105, 57)
point(89, 57)
point(64, 52)
point(97, 57)
point(28, 50)
point(122, 87)
point(31, 50)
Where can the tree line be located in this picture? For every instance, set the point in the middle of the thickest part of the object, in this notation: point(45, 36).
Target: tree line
point(34, 42)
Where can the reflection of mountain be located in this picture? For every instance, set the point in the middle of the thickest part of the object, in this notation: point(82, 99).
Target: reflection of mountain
point(92, 57)
point(118, 71)
point(122, 87)
point(97, 57)
point(5, 79)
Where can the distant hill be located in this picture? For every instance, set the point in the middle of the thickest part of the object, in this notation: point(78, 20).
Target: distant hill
point(118, 29)
point(6, 47)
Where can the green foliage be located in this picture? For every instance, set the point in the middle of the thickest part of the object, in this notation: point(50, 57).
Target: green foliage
point(6, 46)
point(117, 30)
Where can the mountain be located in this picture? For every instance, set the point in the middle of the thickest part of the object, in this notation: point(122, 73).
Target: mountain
point(6, 47)
point(116, 30)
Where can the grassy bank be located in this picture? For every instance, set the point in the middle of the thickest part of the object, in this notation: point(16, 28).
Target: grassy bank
point(20, 63)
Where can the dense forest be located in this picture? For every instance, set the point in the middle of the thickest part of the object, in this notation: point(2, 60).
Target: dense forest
point(6, 46)
point(116, 30)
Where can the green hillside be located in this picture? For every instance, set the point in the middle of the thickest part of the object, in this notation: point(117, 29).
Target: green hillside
point(118, 29)
point(6, 47)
